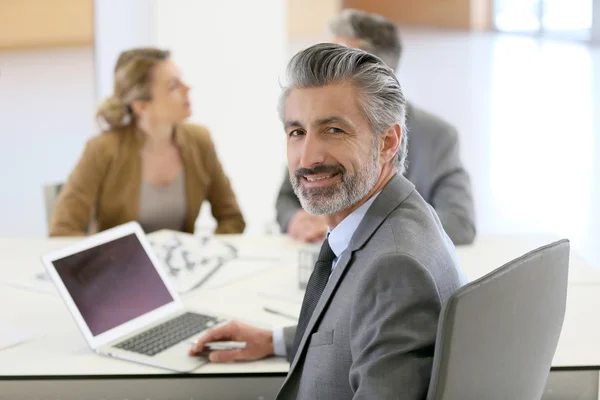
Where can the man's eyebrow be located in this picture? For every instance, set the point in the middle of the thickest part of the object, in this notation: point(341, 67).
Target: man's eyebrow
point(323, 121)
point(333, 119)
point(289, 124)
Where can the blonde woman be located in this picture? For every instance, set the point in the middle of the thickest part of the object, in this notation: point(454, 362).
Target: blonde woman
point(147, 165)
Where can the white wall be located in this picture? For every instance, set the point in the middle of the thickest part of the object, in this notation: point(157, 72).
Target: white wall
point(232, 53)
point(46, 115)
point(119, 25)
point(595, 34)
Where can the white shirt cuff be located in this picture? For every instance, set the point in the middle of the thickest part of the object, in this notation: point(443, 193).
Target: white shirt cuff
point(279, 342)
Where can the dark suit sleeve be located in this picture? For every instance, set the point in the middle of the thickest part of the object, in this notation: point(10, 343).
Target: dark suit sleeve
point(287, 204)
point(451, 195)
point(392, 330)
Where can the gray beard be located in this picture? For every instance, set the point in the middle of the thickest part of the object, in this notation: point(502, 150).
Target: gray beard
point(340, 195)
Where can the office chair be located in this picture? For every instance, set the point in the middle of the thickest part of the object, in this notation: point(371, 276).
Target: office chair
point(497, 336)
point(51, 193)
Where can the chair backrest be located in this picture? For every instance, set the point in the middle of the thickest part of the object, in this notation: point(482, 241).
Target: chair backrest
point(497, 336)
point(51, 193)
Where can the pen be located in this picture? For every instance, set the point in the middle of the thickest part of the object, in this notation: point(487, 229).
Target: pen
point(276, 312)
point(225, 345)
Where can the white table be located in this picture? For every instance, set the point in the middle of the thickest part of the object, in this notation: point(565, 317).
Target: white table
point(491, 251)
point(59, 361)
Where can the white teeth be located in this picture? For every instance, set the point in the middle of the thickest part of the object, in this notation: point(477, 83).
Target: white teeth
point(318, 179)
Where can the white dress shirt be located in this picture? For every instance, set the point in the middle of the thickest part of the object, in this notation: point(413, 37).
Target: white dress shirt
point(339, 240)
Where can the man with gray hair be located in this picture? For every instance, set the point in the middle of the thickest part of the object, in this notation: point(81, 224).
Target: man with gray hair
point(434, 164)
point(369, 317)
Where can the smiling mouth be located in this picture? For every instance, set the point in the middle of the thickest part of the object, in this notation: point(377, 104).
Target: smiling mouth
point(320, 178)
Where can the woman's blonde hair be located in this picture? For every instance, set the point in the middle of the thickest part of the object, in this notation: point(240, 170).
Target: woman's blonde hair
point(133, 74)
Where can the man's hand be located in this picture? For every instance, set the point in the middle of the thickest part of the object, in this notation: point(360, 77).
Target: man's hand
point(307, 228)
point(259, 343)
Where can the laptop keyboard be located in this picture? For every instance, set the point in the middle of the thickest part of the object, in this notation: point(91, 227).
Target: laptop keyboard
point(168, 334)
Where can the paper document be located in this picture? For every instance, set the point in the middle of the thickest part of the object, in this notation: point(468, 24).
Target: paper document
point(11, 335)
point(40, 282)
point(190, 264)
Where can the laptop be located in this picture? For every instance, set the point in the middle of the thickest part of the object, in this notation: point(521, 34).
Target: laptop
point(123, 302)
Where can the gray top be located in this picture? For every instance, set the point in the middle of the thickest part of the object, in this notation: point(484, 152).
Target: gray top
point(163, 206)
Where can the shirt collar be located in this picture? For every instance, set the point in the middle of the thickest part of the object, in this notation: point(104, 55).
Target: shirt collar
point(339, 238)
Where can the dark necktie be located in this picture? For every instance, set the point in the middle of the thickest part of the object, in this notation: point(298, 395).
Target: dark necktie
point(316, 284)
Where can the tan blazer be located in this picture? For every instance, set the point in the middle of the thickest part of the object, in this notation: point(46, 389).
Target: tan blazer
point(107, 178)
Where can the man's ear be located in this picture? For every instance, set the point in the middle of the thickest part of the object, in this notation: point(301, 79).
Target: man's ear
point(390, 144)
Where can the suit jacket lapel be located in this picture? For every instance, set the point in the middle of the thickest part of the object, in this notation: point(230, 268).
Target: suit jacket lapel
point(334, 280)
point(394, 193)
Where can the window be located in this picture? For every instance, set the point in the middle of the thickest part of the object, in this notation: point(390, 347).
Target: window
point(554, 18)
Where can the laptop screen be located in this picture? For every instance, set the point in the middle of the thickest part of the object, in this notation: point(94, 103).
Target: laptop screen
point(112, 283)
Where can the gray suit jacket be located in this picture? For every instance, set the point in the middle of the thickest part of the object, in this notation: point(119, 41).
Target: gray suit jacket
point(434, 167)
point(373, 331)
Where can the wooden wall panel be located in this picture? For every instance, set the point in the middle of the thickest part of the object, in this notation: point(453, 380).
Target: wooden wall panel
point(310, 18)
point(454, 14)
point(46, 23)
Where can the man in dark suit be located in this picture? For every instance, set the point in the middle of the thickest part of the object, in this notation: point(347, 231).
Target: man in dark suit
point(369, 317)
point(434, 164)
